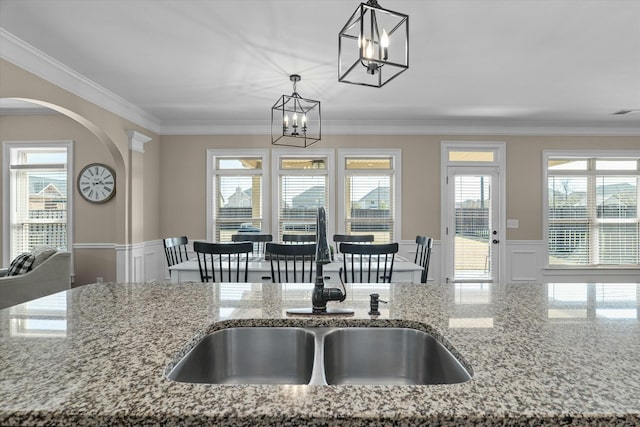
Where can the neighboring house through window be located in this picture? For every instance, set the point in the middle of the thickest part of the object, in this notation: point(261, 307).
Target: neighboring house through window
point(235, 193)
point(303, 182)
point(369, 193)
point(368, 185)
point(592, 214)
point(37, 196)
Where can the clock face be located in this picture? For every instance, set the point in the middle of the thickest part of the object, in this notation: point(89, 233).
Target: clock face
point(97, 183)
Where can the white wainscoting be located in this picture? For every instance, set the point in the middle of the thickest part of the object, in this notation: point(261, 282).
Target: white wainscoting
point(524, 262)
point(408, 250)
point(141, 262)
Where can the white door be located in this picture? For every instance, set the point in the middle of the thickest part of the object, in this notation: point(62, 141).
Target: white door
point(473, 224)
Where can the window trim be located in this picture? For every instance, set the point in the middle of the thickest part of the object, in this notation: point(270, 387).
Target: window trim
point(276, 155)
point(586, 155)
point(7, 146)
point(212, 154)
point(396, 155)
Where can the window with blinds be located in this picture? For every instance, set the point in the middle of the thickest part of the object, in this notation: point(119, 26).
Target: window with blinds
point(237, 196)
point(38, 197)
point(369, 196)
point(302, 188)
point(593, 211)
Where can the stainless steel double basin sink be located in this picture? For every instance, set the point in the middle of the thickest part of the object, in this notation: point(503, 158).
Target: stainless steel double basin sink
point(320, 356)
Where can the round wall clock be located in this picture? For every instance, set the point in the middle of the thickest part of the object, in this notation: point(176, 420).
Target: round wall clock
point(97, 183)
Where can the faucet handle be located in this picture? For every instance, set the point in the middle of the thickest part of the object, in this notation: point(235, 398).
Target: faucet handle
point(373, 305)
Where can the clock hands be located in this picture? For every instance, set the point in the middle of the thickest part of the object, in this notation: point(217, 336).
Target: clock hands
point(96, 183)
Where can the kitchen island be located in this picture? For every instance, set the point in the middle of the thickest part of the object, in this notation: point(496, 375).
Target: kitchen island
point(540, 354)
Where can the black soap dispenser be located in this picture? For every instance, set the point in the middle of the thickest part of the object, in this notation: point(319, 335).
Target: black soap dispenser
point(374, 303)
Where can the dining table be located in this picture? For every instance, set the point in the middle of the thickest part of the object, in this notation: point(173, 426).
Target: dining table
point(259, 270)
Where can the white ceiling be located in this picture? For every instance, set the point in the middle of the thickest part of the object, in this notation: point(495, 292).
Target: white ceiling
point(216, 66)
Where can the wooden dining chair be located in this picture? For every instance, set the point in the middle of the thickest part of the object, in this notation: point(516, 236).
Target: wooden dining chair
point(362, 263)
point(299, 238)
point(351, 238)
point(175, 249)
point(423, 255)
point(291, 263)
point(259, 241)
point(223, 262)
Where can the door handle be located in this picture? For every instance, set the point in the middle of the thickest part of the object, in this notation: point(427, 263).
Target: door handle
point(495, 241)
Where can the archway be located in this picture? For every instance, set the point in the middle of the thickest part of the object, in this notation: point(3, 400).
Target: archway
point(97, 131)
point(97, 228)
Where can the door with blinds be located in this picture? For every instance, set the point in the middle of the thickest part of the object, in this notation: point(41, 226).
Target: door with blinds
point(472, 231)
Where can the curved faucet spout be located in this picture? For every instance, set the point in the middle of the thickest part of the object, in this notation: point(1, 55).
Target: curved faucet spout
point(322, 295)
point(323, 254)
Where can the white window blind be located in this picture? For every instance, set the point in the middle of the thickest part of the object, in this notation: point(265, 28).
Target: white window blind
point(237, 198)
point(593, 211)
point(302, 189)
point(38, 197)
point(473, 249)
point(369, 193)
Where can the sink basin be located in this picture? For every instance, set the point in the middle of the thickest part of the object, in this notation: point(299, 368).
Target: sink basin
point(389, 356)
point(256, 355)
point(320, 356)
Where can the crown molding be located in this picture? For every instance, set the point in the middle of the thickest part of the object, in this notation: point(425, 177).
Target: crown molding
point(137, 141)
point(410, 127)
point(37, 62)
point(25, 56)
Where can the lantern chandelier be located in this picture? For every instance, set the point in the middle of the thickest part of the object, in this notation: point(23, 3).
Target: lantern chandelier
point(373, 46)
point(295, 121)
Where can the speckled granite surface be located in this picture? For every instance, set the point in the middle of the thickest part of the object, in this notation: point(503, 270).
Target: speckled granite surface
point(541, 355)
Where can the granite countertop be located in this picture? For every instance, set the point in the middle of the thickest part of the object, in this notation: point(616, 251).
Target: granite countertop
point(540, 354)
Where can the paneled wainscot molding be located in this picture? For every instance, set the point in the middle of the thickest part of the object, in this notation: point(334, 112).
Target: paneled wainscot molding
point(524, 262)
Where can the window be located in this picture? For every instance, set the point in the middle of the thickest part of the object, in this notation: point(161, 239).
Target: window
point(592, 209)
point(369, 197)
point(486, 156)
point(302, 185)
point(235, 193)
point(37, 200)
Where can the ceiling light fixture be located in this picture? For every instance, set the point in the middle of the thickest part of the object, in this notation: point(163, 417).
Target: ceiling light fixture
point(373, 46)
point(295, 121)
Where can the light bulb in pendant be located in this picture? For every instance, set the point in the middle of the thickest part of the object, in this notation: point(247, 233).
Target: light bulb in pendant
point(384, 43)
point(368, 49)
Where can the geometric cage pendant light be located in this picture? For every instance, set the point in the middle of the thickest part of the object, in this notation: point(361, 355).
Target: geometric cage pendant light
point(295, 121)
point(373, 46)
